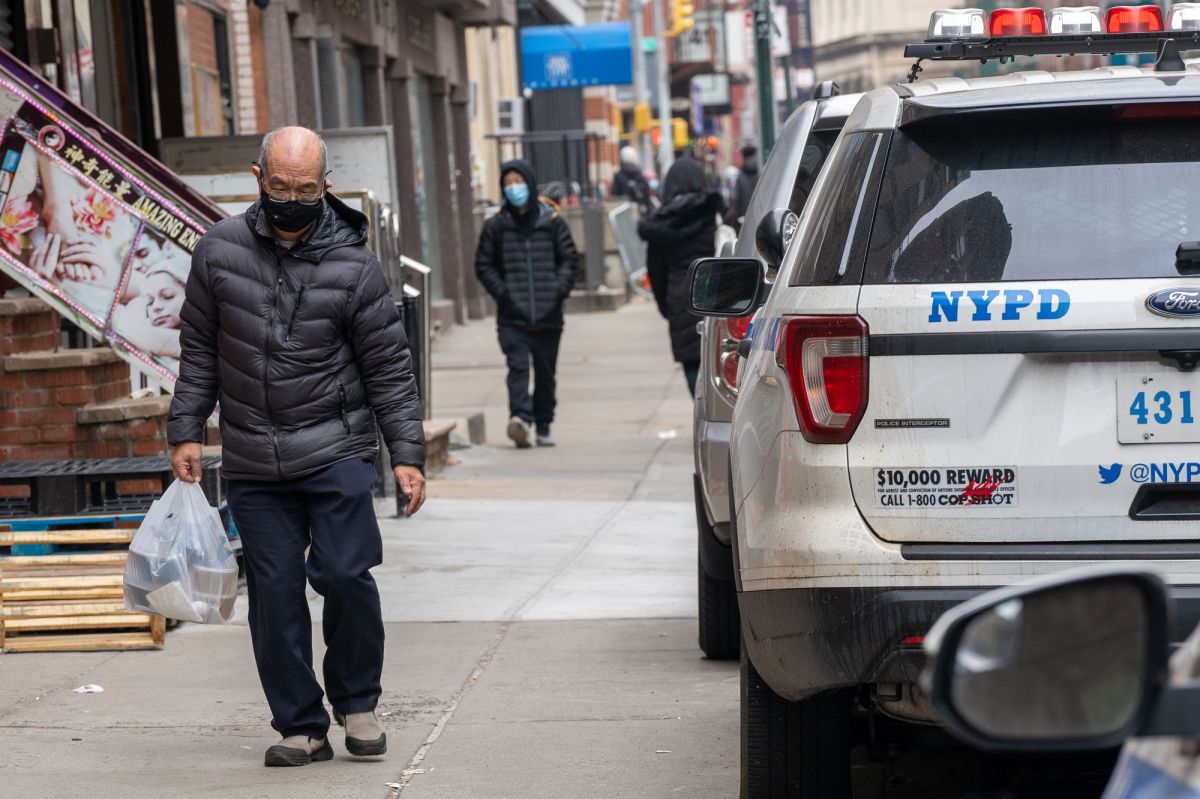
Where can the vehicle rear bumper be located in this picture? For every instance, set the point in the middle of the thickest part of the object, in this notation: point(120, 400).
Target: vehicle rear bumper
point(806, 640)
point(712, 466)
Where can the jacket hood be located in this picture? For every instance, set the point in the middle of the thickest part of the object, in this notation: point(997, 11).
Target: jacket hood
point(750, 165)
point(523, 169)
point(682, 218)
point(338, 226)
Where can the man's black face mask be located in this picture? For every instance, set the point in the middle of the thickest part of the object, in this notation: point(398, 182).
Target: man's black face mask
point(290, 216)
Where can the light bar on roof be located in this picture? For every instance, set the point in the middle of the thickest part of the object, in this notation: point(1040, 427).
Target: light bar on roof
point(960, 23)
point(1077, 19)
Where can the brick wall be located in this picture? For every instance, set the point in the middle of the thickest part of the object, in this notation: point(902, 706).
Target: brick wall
point(258, 61)
point(67, 404)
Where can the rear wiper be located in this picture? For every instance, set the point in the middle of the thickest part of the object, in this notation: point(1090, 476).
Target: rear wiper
point(1187, 258)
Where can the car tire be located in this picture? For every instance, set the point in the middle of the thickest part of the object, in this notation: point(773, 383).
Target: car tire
point(793, 750)
point(720, 626)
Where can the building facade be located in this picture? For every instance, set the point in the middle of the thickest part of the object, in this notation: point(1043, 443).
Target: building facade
point(160, 69)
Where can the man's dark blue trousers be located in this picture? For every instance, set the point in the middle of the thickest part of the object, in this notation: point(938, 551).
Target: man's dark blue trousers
point(331, 514)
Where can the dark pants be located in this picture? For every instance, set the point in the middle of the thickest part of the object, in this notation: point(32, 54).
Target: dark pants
point(331, 513)
point(520, 347)
point(691, 371)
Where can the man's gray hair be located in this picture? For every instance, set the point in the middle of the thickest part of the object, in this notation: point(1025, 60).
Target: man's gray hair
point(270, 137)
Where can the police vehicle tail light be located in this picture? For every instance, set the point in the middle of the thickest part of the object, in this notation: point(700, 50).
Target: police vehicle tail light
point(1080, 19)
point(1018, 22)
point(1185, 17)
point(827, 364)
point(1134, 19)
point(730, 333)
point(957, 24)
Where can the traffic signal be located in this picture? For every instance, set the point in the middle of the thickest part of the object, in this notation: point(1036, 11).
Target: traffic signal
point(642, 118)
point(679, 132)
point(683, 17)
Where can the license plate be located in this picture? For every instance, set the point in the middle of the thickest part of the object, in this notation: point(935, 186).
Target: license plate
point(1158, 409)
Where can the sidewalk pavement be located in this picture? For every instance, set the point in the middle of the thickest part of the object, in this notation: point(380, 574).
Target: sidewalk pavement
point(539, 611)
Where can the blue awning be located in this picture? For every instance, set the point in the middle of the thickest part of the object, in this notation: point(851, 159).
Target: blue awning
point(571, 56)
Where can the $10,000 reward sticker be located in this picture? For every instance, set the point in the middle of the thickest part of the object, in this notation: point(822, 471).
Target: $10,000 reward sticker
point(946, 487)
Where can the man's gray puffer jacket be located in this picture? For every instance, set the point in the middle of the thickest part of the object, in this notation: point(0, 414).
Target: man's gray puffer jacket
point(303, 348)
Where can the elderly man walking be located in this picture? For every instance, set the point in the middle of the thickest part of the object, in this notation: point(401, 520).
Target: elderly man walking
point(289, 323)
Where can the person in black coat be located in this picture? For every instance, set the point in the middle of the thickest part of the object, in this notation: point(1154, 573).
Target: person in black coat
point(681, 231)
point(630, 183)
point(289, 323)
point(743, 188)
point(526, 259)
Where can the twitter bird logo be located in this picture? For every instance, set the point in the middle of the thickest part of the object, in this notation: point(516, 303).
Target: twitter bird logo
point(1109, 474)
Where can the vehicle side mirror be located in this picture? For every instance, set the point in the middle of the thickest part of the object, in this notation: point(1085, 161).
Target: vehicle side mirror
point(773, 234)
point(725, 286)
point(1067, 662)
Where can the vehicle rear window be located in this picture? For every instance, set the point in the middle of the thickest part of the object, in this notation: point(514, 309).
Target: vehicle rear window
point(1089, 193)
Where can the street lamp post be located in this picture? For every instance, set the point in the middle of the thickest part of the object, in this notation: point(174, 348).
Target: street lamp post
point(666, 153)
point(766, 79)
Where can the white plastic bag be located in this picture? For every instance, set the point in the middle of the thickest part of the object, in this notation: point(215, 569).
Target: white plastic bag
point(180, 563)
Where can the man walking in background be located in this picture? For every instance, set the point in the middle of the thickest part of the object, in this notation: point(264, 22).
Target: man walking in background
point(289, 323)
point(527, 261)
point(630, 183)
point(743, 187)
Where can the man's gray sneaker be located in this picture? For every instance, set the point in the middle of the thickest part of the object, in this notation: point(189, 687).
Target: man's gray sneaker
point(544, 437)
point(518, 431)
point(299, 750)
point(364, 734)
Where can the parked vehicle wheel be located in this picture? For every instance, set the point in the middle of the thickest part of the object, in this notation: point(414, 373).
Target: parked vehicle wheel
point(720, 627)
point(793, 750)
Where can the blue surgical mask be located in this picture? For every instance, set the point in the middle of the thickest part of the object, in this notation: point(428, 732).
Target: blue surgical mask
point(517, 194)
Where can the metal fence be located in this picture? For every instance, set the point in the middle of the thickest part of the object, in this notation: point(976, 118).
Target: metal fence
point(566, 162)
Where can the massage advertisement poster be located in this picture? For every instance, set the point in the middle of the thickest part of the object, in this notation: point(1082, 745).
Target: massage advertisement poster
point(90, 236)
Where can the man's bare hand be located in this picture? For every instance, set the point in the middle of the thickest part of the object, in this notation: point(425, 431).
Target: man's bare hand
point(412, 484)
point(185, 461)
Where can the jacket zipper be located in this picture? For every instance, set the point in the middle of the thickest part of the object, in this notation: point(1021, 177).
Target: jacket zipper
point(529, 271)
point(267, 365)
point(342, 407)
point(295, 313)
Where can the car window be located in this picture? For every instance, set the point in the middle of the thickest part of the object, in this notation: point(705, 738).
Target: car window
point(816, 150)
point(1094, 193)
point(833, 244)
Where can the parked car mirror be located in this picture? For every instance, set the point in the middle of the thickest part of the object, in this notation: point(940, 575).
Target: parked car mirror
point(725, 286)
point(773, 234)
point(1076, 661)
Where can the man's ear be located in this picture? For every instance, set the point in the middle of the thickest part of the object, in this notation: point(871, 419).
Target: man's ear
point(254, 170)
point(328, 184)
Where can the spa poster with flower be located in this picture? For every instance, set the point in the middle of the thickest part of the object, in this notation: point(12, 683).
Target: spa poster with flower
point(86, 234)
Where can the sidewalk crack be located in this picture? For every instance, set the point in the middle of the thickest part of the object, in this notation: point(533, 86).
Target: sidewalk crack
point(414, 765)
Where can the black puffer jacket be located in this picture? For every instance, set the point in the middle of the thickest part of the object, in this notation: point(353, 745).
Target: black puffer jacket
point(303, 348)
point(683, 230)
point(527, 262)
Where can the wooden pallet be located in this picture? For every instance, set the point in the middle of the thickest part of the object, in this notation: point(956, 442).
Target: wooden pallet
point(70, 601)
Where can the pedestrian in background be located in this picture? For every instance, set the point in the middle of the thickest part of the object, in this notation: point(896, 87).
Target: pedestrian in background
point(288, 321)
point(678, 233)
point(526, 260)
point(630, 183)
point(743, 187)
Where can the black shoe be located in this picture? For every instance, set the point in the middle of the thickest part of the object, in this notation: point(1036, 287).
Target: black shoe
point(299, 750)
point(544, 437)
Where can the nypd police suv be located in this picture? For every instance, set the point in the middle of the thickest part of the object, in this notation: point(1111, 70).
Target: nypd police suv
point(976, 363)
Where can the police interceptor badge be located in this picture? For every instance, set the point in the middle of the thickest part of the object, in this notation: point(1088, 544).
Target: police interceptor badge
point(944, 488)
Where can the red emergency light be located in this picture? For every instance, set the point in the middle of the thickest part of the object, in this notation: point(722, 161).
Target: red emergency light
point(1134, 19)
point(1018, 22)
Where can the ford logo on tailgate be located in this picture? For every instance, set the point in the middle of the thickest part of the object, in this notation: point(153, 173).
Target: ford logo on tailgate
point(1183, 301)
